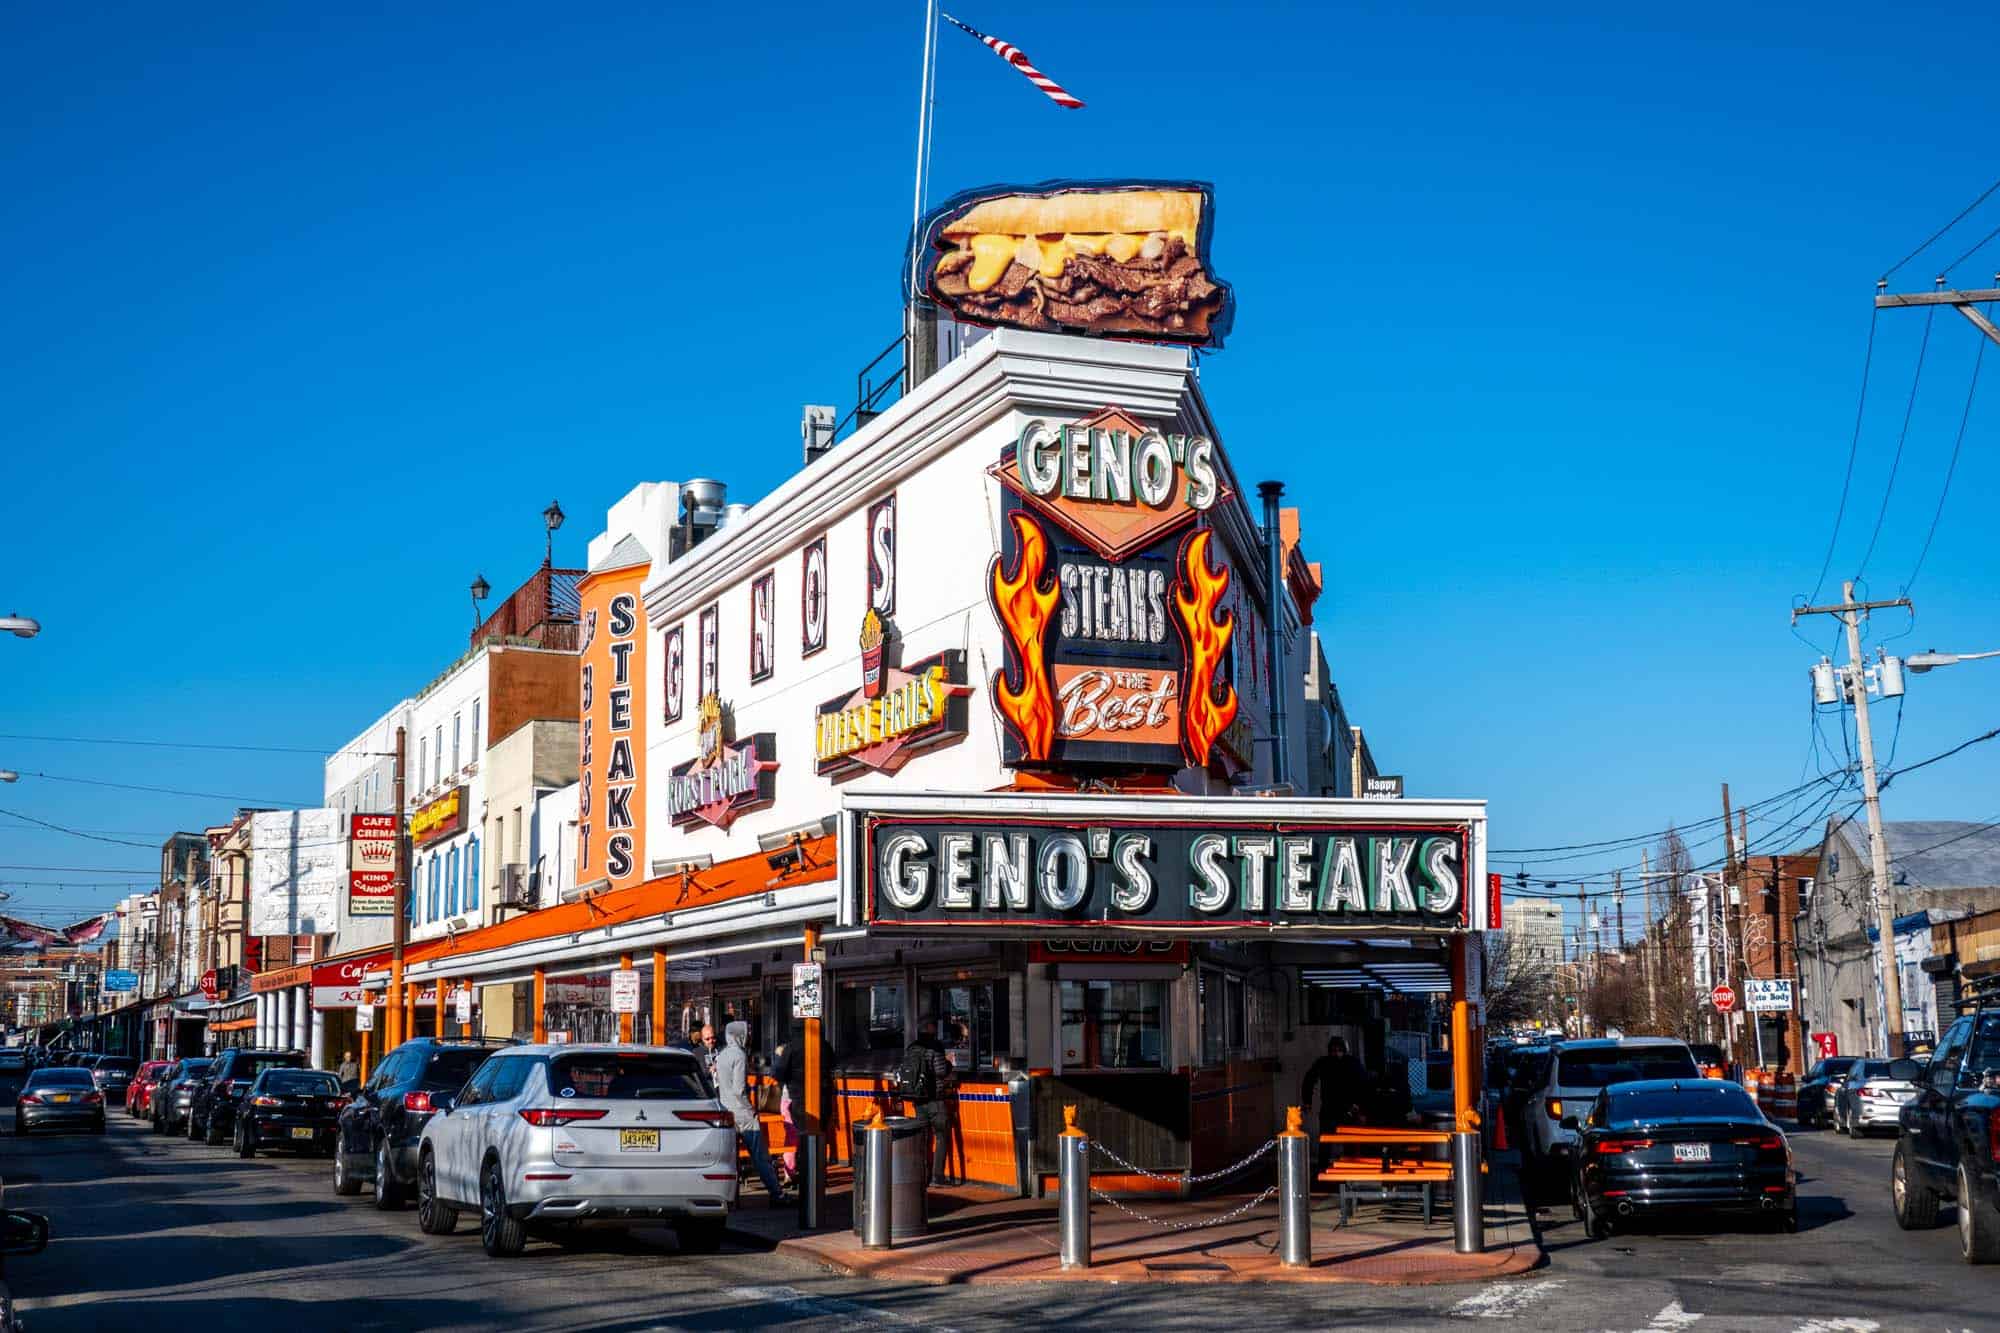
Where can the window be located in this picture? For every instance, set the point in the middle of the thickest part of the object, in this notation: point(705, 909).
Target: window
point(435, 886)
point(1224, 1022)
point(972, 1021)
point(1113, 1024)
point(1706, 1101)
point(480, 1088)
point(625, 1076)
point(451, 882)
point(439, 752)
point(455, 740)
point(477, 744)
point(1598, 1068)
point(513, 1076)
point(449, 1069)
point(423, 762)
point(472, 885)
point(868, 1018)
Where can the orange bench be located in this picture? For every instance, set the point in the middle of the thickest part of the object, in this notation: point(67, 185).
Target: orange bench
point(1373, 1162)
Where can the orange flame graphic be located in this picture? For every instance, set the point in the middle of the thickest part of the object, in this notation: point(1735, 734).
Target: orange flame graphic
point(1026, 606)
point(1206, 713)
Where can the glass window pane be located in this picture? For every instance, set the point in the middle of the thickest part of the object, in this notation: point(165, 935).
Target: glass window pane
point(1113, 1024)
point(868, 1018)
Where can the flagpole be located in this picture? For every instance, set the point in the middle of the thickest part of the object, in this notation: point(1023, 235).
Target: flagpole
point(919, 349)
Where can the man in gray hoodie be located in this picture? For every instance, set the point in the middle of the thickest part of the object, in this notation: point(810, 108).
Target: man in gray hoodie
point(732, 1072)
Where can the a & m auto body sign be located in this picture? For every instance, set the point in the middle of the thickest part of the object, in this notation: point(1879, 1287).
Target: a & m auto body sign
point(1004, 861)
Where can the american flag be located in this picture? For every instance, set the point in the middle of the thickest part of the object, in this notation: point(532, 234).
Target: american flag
point(1013, 55)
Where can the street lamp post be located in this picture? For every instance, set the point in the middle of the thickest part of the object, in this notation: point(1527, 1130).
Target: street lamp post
point(22, 627)
point(552, 518)
point(480, 590)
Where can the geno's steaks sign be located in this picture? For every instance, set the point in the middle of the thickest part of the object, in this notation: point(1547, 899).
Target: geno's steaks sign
point(1082, 863)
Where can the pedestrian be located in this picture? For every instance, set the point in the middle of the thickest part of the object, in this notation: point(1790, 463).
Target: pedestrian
point(928, 1083)
point(1341, 1082)
point(707, 1049)
point(350, 1068)
point(732, 1071)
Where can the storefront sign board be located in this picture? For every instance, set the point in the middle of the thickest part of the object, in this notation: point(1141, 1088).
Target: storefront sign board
point(725, 778)
point(364, 1018)
point(371, 865)
point(437, 819)
point(298, 866)
point(894, 712)
point(625, 991)
point(1767, 996)
point(1021, 863)
point(462, 1004)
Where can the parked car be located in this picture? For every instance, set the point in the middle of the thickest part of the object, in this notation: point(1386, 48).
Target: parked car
point(15, 1066)
point(1576, 1072)
point(139, 1092)
point(1821, 1085)
point(1661, 1146)
point(557, 1136)
point(217, 1094)
point(1947, 1132)
point(53, 1097)
point(289, 1108)
point(379, 1130)
point(113, 1076)
point(170, 1100)
point(1710, 1058)
point(1873, 1094)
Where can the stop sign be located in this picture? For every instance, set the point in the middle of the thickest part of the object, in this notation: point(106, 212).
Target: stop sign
point(1723, 998)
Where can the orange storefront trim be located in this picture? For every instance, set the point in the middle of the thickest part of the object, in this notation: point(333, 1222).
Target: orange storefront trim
point(233, 1025)
point(720, 883)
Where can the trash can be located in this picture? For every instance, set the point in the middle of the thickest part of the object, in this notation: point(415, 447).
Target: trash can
point(909, 1163)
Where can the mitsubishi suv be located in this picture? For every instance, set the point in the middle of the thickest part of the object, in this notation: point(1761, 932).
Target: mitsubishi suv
point(547, 1137)
point(1571, 1079)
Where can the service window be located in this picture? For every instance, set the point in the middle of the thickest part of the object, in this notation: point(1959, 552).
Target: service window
point(868, 1017)
point(1224, 1018)
point(1113, 1024)
point(972, 1021)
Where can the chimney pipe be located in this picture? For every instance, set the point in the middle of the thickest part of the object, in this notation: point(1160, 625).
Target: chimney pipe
point(1274, 628)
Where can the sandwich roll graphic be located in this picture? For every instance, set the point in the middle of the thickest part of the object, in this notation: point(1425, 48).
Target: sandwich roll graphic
point(1119, 262)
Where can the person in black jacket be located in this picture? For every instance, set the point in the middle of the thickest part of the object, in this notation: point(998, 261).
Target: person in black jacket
point(789, 1068)
point(1342, 1084)
point(935, 1110)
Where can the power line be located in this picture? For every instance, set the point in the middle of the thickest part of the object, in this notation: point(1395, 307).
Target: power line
point(1983, 241)
point(78, 870)
point(171, 791)
point(1896, 464)
point(1963, 213)
point(1952, 469)
point(78, 833)
point(164, 745)
point(1853, 448)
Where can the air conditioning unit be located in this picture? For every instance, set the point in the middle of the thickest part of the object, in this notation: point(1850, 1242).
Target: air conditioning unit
point(517, 888)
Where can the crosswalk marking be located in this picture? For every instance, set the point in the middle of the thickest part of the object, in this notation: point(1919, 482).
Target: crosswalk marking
point(1504, 1300)
point(1670, 1319)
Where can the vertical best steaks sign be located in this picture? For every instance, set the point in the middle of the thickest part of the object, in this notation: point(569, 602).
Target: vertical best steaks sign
point(1108, 599)
point(1082, 863)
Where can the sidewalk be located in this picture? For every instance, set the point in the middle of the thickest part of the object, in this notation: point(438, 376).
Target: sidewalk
point(978, 1237)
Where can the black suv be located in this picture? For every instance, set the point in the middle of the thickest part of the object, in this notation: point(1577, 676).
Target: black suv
point(1947, 1133)
point(377, 1138)
point(212, 1108)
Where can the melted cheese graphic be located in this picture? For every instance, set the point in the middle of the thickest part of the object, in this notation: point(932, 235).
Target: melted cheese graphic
point(991, 254)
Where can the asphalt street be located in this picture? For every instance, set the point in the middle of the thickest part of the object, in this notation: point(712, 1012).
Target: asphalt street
point(158, 1233)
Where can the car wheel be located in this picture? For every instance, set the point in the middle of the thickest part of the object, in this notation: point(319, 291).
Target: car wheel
point(388, 1194)
point(1978, 1229)
point(434, 1216)
point(500, 1234)
point(1915, 1203)
point(1576, 1205)
point(246, 1146)
point(699, 1236)
point(344, 1182)
point(211, 1133)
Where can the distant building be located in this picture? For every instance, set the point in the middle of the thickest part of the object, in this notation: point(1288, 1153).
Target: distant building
point(1534, 931)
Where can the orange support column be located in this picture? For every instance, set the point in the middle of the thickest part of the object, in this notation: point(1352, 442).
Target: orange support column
point(442, 987)
point(1464, 1114)
point(625, 1020)
point(809, 1122)
point(659, 997)
point(392, 1016)
point(364, 1055)
point(541, 1005)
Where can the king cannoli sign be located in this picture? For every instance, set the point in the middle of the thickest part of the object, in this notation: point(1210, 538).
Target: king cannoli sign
point(897, 713)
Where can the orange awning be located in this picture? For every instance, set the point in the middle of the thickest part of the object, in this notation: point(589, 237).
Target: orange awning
point(719, 883)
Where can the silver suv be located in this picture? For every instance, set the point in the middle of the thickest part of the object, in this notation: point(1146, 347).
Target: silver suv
point(557, 1136)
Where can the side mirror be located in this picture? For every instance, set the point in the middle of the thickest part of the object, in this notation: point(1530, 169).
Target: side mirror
point(23, 1233)
point(1909, 1071)
point(1569, 1122)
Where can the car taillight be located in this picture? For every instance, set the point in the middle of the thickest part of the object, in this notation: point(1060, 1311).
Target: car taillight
point(417, 1101)
point(30, 1099)
point(342, 1103)
point(543, 1116)
point(1614, 1146)
point(707, 1117)
point(1865, 1092)
point(1554, 1107)
point(1773, 1142)
point(92, 1098)
point(263, 1101)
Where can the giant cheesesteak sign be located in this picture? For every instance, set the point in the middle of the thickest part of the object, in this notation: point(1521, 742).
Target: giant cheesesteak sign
point(980, 863)
point(1116, 639)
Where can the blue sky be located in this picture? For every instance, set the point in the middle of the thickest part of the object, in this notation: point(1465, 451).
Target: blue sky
point(1553, 325)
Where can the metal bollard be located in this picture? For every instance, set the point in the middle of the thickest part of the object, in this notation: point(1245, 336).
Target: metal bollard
point(1294, 1193)
point(1468, 1220)
point(878, 1229)
point(812, 1183)
point(1073, 1172)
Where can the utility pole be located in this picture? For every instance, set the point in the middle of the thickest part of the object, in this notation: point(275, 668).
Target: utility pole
point(1963, 302)
point(1731, 878)
point(392, 1029)
point(1654, 946)
point(1884, 894)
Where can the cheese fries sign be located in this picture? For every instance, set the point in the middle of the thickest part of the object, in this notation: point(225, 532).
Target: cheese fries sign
point(1124, 259)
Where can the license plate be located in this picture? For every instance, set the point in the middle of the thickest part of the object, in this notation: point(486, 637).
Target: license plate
point(1690, 1152)
point(638, 1140)
point(60, 1097)
point(301, 1132)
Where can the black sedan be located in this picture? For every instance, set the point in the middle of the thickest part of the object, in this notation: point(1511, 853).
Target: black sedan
point(59, 1096)
point(289, 1108)
point(1679, 1145)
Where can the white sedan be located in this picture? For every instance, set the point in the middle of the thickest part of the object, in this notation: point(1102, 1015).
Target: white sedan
point(558, 1136)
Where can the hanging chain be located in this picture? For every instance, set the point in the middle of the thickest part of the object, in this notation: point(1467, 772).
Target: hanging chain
point(1194, 1225)
point(1177, 1179)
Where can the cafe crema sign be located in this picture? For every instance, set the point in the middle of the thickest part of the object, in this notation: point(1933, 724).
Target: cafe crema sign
point(1127, 868)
